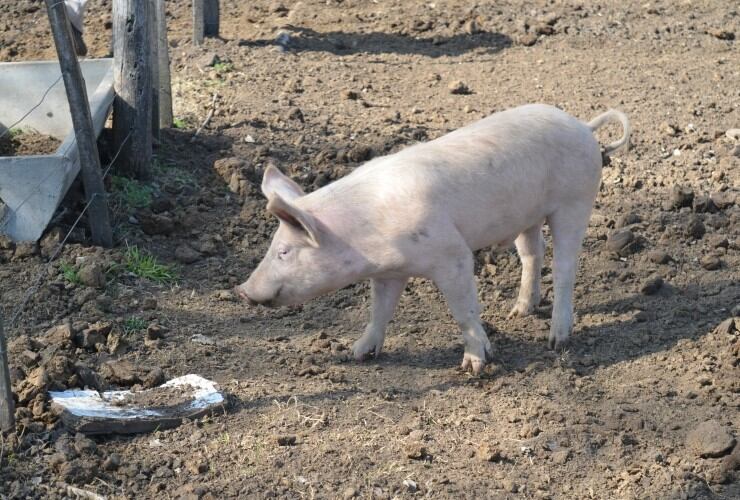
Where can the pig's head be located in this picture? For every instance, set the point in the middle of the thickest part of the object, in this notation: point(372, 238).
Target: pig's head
point(305, 259)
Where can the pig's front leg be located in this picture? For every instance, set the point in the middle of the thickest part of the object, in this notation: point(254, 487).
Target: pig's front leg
point(385, 293)
point(457, 283)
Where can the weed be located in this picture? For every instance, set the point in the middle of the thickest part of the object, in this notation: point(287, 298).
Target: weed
point(133, 325)
point(134, 193)
point(179, 123)
point(70, 273)
point(146, 266)
point(223, 67)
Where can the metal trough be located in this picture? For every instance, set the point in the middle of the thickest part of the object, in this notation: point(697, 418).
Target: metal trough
point(31, 187)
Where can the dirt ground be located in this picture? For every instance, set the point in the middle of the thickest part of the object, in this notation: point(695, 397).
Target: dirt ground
point(644, 404)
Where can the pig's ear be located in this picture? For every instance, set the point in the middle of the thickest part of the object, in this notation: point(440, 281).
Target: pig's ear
point(298, 219)
point(274, 182)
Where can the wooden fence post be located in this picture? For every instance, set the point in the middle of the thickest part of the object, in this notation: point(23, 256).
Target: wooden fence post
point(79, 108)
point(198, 22)
point(7, 406)
point(154, 58)
point(132, 80)
point(210, 18)
point(205, 20)
point(163, 63)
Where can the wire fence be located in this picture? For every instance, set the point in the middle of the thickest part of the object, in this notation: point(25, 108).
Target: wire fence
point(38, 281)
point(45, 271)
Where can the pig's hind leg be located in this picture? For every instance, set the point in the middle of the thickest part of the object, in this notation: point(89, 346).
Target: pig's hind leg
point(568, 225)
point(385, 293)
point(456, 281)
point(531, 248)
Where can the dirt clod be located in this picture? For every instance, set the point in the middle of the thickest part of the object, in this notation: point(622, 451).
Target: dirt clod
point(710, 439)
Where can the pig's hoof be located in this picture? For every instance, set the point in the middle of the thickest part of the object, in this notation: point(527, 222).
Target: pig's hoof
point(520, 310)
point(364, 348)
point(558, 344)
point(473, 363)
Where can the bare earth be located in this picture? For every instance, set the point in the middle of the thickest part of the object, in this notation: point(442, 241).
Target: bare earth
point(644, 404)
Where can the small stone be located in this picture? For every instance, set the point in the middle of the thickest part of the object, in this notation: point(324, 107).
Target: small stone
point(628, 219)
point(703, 203)
point(528, 39)
point(681, 197)
point(286, 440)
point(186, 254)
point(415, 450)
point(60, 335)
point(95, 334)
point(149, 304)
point(25, 249)
point(153, 224)
point(659, 257)
point(733, 134)
point(510, 486)
point(668, 129)
point(199, 338)
point(84, 444)
point(349, 493)
point(196, 466)
point(544, 29)
point(710, 440)
point(360, 153)
point(696, 228)
point(561, 456)
point(92, 275)
point(710, 262)
point(487, 453)
point(154, 378)
point(652, 285)
point(155, 331)
point(296, 114)
point(112, 462)
point(458, 87)
point(732, 461)
point(471, 27)
point(621, 242)
point(723, 199)
point(727, 327)
point(721, 34)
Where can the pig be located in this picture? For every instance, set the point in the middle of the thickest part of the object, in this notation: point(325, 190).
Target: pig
point(421, 212)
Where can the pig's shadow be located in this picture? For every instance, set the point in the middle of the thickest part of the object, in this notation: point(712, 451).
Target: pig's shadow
point(300, 39)
point(603, 345)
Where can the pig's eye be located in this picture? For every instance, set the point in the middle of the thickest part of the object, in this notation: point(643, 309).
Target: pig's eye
point(282, 252)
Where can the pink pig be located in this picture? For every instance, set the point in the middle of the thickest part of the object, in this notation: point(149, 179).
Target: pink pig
point(424, 210)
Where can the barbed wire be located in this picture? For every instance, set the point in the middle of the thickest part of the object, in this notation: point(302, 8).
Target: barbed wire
point(45, 271)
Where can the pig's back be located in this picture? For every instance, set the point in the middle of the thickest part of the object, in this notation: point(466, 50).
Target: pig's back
point(498, 176)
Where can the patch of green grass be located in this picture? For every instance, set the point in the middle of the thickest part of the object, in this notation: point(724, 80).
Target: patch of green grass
point(145, 266)
point(134, 193)
point(70, 273)
point(134, 325)
point(179, 123)
point(223, 67)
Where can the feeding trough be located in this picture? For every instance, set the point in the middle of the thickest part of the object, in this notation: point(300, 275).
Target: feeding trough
point(32, 186)
point(126, 412)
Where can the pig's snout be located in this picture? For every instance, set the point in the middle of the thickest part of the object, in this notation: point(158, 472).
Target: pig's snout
point(242, 294)
point(254, 300)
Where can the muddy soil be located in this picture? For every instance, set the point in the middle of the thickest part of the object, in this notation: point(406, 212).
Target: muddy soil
point(28, 142)
point(644, 404)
